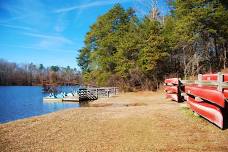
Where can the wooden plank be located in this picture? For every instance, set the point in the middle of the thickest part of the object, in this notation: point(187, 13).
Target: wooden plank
point(52, 99)
point(220, 81)
point(75, 99)
point(205, 83)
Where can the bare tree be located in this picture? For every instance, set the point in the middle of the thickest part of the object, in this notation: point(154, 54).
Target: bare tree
point(148, 8)
point(31, 74)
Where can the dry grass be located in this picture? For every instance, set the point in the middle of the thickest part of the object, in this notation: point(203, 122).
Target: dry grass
point(148, 123)
point(99, 105)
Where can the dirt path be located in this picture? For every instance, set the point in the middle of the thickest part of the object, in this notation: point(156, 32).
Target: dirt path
point(141, 121)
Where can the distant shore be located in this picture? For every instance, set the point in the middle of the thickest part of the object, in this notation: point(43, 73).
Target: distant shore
point(141, 121)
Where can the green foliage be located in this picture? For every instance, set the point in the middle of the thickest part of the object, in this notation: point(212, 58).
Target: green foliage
point(152, 46)
point(55, 68)
point(201, 29)
point(84, 59)
point(41, 67)
point(117, 44)
point(121, 49)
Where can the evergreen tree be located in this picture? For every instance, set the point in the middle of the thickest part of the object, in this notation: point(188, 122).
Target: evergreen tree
point(122, 50)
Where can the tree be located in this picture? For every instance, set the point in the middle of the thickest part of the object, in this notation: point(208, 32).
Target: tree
point(121, 47)
point(55, 68)
point(200, 33)
point(31, 74)
point(102, 41)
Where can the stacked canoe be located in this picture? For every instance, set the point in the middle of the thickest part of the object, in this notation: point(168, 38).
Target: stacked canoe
point(172, 88)
point(208, 96)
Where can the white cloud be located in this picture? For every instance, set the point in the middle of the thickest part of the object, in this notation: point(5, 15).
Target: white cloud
point(17, 27)
point(15, 18)
point(89, 5)
point(40, 48)
point(56, 39)
point(29, 12)
point(62, 22)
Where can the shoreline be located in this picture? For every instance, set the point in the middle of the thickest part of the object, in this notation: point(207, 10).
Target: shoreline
point(140, 121)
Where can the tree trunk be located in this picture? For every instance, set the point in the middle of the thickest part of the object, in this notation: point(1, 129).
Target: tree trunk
point(225, 56)
point(185, 64)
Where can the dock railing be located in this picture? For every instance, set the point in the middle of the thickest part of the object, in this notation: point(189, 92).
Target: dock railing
point(220, 80)
point(95, 93)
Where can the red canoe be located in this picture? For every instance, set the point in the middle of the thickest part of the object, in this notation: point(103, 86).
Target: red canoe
point(173, 81)
point(214, 77)
point(210, 94)
point(207, 110)
point(172, 96)
point(171, 89)
point(225, 92)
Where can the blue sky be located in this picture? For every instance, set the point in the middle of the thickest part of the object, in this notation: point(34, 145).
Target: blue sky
point(52, 31)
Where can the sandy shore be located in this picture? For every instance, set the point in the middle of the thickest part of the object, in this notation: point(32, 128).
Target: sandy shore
point(142, 121)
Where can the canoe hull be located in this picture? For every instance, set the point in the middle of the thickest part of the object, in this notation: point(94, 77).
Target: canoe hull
point(214, 77)
point(172, 96)
point(213, 96)
point(173, 81)
point(171, 89)
point(207, 110)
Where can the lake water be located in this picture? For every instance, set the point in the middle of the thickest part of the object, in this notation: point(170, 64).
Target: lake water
point(17, 102)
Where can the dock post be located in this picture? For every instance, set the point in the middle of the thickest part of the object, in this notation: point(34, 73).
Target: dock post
point(220, 80)
point(200, 78)
point(97, 92)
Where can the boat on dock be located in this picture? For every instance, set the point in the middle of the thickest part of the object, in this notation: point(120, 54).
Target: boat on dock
point(83, 94)
point(75, 99)
point(62, 97)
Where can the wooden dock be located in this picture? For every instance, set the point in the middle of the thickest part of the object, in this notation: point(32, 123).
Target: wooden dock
point(95, 93)
point(87, 94)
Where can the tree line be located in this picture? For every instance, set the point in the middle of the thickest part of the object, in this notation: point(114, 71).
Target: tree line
point(124, 50)
point(31, 74)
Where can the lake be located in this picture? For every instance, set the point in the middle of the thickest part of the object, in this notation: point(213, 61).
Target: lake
point(17, 102)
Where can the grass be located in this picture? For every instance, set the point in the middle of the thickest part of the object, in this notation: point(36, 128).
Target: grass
point(97, 104)
point(190, 114)
point(148, 123)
